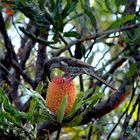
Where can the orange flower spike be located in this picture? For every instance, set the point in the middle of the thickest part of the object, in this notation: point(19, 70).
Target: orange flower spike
point(57, 90)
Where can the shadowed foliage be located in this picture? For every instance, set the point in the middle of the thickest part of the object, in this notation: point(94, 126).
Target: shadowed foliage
point(103, 35)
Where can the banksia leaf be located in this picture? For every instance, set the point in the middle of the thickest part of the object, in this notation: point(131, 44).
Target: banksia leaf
point(57, 90)
point(62, 108)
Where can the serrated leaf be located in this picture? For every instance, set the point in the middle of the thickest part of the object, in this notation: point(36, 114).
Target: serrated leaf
point(132, 70)
point(62, 108)
point(121, 21)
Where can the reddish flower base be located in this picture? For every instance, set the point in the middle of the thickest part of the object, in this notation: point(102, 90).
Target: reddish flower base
point(57, 89)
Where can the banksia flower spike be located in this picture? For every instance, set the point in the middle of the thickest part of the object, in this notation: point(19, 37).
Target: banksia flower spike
point(57, 90)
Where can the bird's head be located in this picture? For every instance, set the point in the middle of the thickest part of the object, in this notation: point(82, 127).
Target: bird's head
point(64, 64)
point(56, 62)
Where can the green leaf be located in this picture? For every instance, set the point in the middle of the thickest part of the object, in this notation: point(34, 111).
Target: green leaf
point(121, 21)
point(88, 92)
point(39, 87)
point(89, 11)
point(120, 2)
point(77, 104)
point(132, 70)
point(75, 121)
point(73, 17)
point(38, 102)
point(91, 91)
point(32, 106)
point(72, 34)
point(91, 16)
point(9, 113)
point(70, 7)
point(62, 108)
point(95, 99)
point(135, 37)
point(108, 5)
point(31, 93)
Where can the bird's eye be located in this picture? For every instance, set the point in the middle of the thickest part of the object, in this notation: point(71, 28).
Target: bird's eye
point(63, 63)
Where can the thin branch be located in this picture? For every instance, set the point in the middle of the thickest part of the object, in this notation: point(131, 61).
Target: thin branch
point(90, 133)
point(41, 56)
point(109, 135)
point(102, 57)
point(98, 35)
point(90, 49)
point(23, 74)
point(58, 134)
point(128, 117)
point(5, 68)
point(34, 38)
point(8, 45)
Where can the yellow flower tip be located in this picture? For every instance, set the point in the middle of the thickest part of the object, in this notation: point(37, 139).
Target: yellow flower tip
point(57, 90)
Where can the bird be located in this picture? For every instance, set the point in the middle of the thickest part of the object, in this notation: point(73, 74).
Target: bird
point(72, 67)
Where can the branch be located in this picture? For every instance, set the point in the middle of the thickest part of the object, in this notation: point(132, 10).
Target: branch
point(20, 72)
point(25, 50)
point(97, 35)
point(41, 56)
point(8, 45)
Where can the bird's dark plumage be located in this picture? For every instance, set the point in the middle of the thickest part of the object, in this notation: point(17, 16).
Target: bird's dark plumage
point(72, 66)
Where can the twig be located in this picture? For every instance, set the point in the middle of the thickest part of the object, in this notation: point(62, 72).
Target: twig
point(9, 72)
point(109, 135)
point(65, 42)
point(8, 45)
point(34, 38)
point(58, 134)
point(90, 133)
point(90, 49)
point(41, 56)
point(125, 125)
point(20, 71)
point(98, 35)
point(102, 57)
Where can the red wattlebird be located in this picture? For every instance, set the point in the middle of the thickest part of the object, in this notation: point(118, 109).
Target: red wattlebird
point(72, 67)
